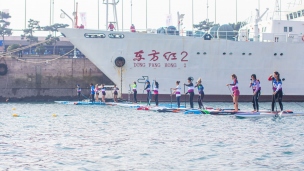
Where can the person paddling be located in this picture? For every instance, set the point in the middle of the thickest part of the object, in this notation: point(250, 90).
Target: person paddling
point(115, 92)
point(78, 89)
point(96, 92)
point(235, 92)
point(255, 84)
point(103, 93)
point(155, 91)
point(148, 89)
point(190, 90)
point(277, 90)
point(92, 92)
point(201, 94)
point(134, 88)
point(177, 92)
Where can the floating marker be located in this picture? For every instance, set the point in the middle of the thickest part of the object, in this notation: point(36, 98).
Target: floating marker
point(54, 115)
point(13, 108)
point(15, 115)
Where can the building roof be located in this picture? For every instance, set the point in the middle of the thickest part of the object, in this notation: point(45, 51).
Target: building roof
point(9, 40)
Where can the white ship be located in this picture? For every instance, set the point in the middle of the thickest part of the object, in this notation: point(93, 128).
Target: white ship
point(263, 47)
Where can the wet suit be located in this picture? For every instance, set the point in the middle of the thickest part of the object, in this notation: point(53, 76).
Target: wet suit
point(191, 92)
point(148, 93)
point(201, 94)
point(134, 88)
point(92, 93)
point(276, 87)
point(156, 94)
point(255, 98)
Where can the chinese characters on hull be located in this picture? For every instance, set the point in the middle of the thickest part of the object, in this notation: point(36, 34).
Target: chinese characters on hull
point(155, 56)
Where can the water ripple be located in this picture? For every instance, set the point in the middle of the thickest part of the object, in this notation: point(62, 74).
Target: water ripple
point(116, 138)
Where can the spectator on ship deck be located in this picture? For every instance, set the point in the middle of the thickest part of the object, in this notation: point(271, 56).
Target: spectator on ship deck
point(111, 27)
point(81, 26)
point(132, 28)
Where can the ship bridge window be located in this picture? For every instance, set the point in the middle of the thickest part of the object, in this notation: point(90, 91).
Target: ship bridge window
point(290, 16)
point(116, 36)
point(290, 29)
point(299, 14)
point(94, 35)
point(287, 17)
point(285, 29)
point(302, 12)
point(294, 15)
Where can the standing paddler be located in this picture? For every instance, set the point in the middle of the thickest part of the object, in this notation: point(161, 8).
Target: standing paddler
point(277, 90)
point(201, 94)
point(255, 84)
point(134, 88)
point(190, 90)
point(148, 89)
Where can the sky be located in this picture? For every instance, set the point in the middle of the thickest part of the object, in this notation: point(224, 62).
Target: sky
point(157, 10)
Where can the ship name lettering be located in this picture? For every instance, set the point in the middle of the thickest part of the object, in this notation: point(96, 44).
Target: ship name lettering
point(154, 65)
point(172, 65)
point(139, 65)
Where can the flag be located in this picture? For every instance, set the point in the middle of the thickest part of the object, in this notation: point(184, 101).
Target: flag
point(83, 17)
point(169, 20)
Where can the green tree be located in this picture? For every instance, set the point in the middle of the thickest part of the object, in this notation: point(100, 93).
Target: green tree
point(204, 25)
point(237, 26)
point(40, 49)
point(52, 39)
point(4, 31)
point(28, 33)
point(13, 47)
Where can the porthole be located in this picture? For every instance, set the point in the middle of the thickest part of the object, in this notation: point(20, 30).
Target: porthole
point(116, 36)
point(94, 35)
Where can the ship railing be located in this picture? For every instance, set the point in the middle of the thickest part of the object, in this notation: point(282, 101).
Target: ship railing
point(281, 37)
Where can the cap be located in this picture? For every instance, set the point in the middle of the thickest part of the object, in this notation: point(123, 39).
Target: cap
point(147, 81)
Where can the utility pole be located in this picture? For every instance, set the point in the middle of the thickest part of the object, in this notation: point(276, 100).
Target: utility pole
point(235, 11)
point(24, 14)
point(98, 12)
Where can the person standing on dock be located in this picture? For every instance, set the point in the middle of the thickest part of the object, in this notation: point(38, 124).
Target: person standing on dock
point(92, 93)
point(155, 91)
point(235, 92)
point(255, 84)
point(277, 90)
point(201, 93)
point(148, 89)
point(134, 88)
point(177, 92)
point(190, 90)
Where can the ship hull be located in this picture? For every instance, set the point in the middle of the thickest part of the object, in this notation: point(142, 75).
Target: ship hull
point(168, 59)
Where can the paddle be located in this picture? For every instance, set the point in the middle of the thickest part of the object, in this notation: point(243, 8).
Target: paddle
point(84, 96)
point(230, 94)
point(185, 94)
point(171, 96)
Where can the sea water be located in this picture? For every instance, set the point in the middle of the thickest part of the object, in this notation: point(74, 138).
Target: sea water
point(69, 137)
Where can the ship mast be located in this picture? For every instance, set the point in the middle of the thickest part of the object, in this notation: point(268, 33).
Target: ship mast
point(114, 3)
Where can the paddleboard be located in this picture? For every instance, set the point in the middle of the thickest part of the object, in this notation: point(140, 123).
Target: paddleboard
point(268, 114)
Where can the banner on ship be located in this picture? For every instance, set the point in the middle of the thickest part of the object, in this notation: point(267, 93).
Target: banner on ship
point(83, 17)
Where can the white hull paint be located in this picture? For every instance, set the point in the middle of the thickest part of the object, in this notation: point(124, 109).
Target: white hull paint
point(222, 58)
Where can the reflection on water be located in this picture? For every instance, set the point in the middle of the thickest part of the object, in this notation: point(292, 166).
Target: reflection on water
point(68, 137)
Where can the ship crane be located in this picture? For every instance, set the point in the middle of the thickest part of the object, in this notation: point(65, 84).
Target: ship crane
point(256, 27)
